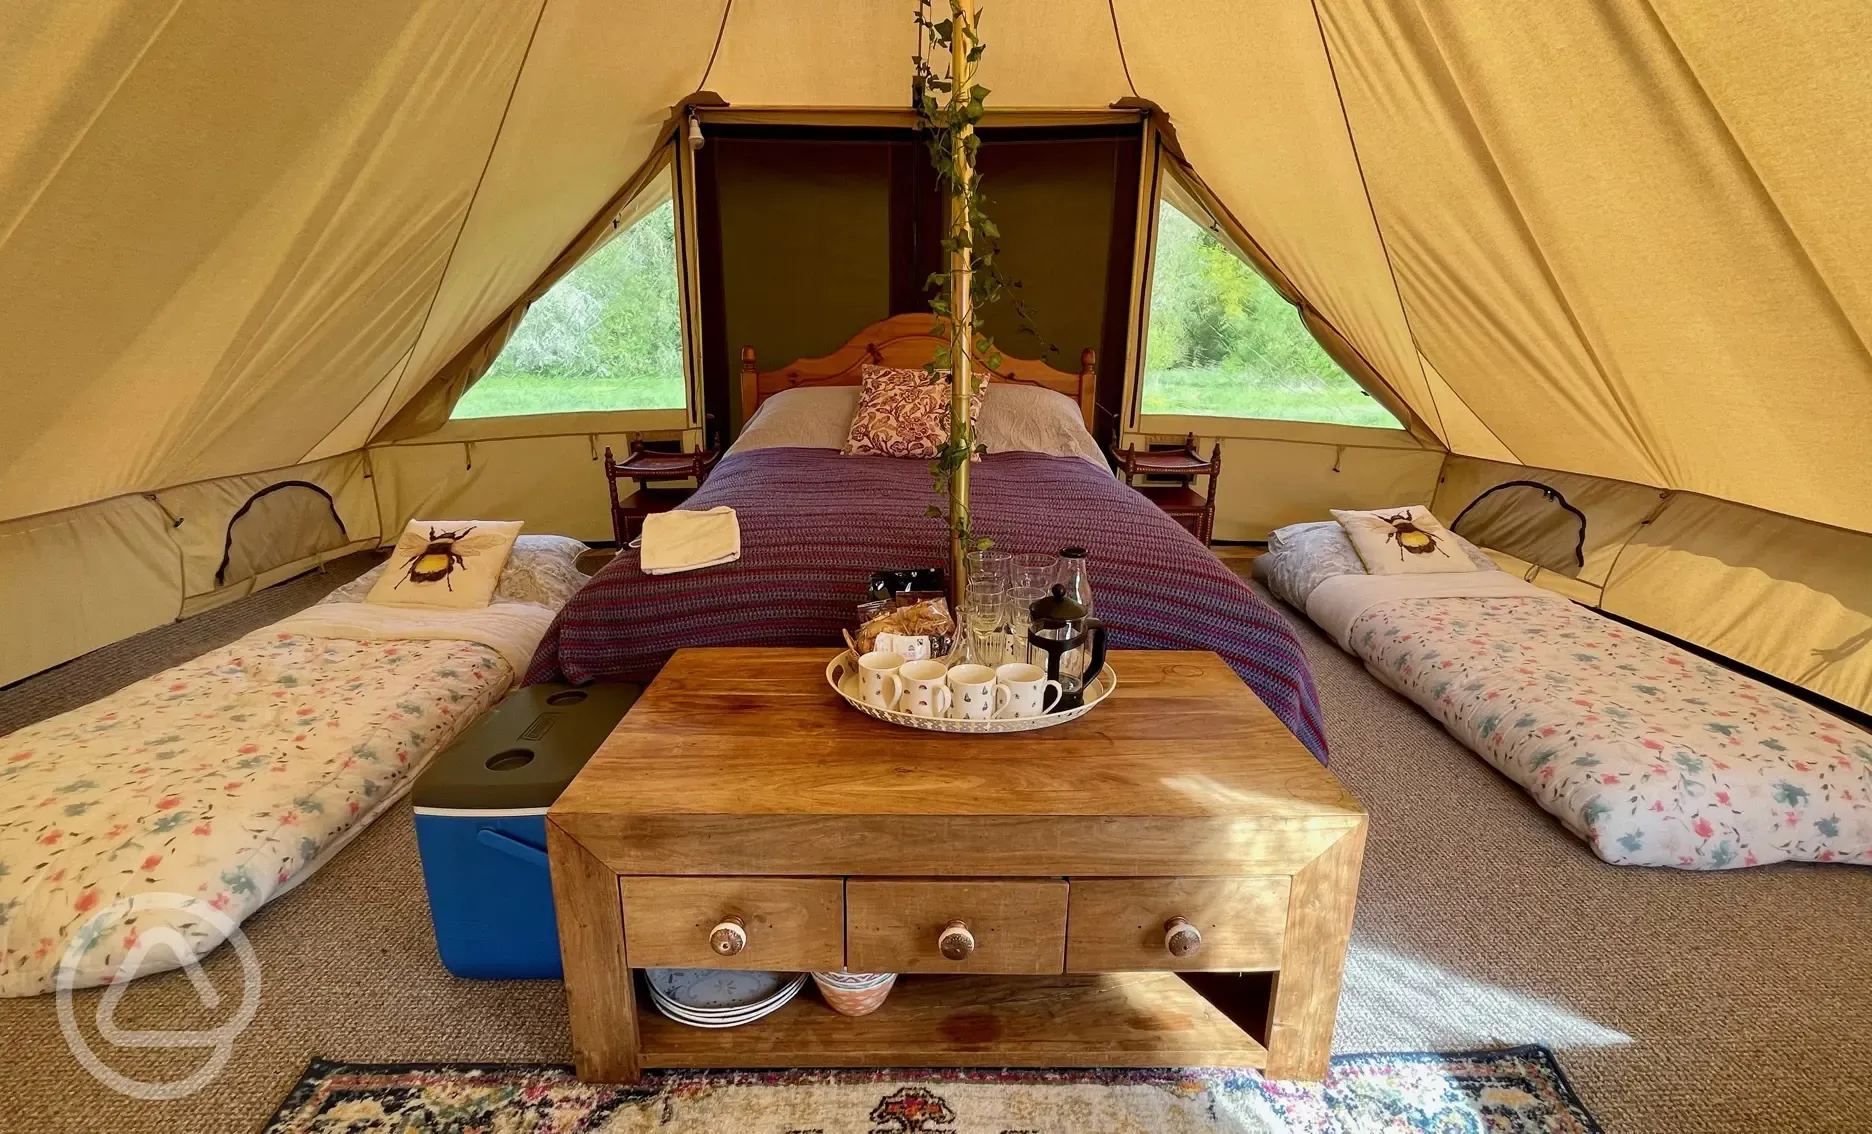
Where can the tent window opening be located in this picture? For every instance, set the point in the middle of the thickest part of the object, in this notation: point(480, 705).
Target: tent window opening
point(1530, 521)
point(1223, 343)
point(608, 336)
point(280, 524)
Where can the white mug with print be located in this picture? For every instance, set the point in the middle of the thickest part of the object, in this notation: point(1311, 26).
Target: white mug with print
point(971, 692)
point(1021, 691)
point(878, 682)
point(925, 693)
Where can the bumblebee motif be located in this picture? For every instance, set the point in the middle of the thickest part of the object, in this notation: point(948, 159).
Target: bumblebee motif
point(443, 555)
point(1409, 537)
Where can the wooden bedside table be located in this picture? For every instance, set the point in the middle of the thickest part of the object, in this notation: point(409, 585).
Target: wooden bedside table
point(1180, 502)
point(642, 466)
point(1113, 875)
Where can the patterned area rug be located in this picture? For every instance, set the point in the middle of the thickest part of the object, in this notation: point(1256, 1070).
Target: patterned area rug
point(1517, 1090)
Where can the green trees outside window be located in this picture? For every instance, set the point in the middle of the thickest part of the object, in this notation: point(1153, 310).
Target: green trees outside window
point(1223, 343)
point(606, 337)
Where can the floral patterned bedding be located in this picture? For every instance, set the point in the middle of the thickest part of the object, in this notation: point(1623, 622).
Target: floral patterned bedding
point(222, 779)
point(1651, 754)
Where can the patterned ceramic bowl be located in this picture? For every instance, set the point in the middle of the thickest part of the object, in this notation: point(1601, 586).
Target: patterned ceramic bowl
point(855, 994)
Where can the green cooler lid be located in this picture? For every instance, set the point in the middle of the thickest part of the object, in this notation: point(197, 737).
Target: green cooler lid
point(527, 750)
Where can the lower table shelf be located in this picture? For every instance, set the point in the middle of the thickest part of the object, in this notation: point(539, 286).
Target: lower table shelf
point(1120, 1020)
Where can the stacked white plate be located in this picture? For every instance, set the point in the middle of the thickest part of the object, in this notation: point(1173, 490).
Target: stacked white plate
point(720, 998)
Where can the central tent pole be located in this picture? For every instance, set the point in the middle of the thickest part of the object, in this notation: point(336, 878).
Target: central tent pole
point(962, 314)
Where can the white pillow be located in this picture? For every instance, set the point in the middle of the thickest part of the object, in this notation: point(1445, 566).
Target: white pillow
point(1017, 418)
point(1403, 541)
point(806, 417)
point(450, 564)
point(1311, 536)
point(541, 569)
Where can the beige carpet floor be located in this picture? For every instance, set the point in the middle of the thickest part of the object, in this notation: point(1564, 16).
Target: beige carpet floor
point(86, 678)
point(1735, 1002)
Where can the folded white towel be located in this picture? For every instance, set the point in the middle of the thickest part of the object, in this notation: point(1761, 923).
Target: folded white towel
point(684, 541)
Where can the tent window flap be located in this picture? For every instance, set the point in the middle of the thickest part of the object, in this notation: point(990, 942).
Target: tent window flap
point(1222, 342)
point(279, 524)
point(1530, 521)
point(607, 336)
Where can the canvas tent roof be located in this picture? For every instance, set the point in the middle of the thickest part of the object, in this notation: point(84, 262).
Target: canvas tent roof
point(1625, 240)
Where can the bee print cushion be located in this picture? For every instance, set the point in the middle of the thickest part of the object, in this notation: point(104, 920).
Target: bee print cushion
point(453, 564)
point(1403, 541)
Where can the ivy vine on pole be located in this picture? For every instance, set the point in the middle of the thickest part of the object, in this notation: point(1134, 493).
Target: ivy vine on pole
point(948, 105)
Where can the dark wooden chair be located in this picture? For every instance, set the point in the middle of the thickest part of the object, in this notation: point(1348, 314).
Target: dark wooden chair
point(1180, 501)
point(640, 466)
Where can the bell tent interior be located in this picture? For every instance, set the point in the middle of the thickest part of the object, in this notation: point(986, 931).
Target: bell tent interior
point(1592, 283)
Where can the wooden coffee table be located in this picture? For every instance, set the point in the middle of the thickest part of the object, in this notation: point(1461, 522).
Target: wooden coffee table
point(1168, 881)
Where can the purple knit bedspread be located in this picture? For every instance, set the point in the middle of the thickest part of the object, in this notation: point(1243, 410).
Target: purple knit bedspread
point(815, 524)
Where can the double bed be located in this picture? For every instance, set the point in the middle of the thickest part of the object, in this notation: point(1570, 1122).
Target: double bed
point(815, 524)
point(1652, 754)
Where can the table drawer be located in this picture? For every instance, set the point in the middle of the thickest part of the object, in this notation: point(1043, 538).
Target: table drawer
point(1012, 926)
point(1123, 924)
point(790, 924)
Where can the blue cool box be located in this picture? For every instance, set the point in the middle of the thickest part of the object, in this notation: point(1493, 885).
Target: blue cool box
point(481, 826)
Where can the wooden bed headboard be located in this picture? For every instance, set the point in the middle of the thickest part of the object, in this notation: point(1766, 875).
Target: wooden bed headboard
point(908, 341)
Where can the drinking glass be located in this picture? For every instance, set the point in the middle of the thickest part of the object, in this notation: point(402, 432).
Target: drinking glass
point(982, 614)
point(989, 564)
point(1020, 602)
point(1034, 569)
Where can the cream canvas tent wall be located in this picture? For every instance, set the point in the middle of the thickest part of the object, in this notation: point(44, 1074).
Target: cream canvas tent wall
point(1619, 246)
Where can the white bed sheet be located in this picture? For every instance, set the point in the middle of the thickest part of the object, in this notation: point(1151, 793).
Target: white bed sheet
point(1336, 603)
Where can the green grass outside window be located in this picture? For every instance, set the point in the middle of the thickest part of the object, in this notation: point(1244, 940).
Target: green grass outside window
point(1223, 343)
point(606, 337)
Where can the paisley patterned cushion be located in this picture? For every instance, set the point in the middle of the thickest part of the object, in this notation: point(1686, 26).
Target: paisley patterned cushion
point(903, 413)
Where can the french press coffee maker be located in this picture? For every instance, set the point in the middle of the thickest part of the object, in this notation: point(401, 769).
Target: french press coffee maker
point(1073, 642)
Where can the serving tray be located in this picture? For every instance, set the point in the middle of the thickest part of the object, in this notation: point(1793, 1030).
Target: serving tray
point(842, 675)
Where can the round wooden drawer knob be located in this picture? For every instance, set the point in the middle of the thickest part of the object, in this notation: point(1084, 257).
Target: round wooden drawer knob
point(956, 942)
point(1181, 938)
point(728, 937)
